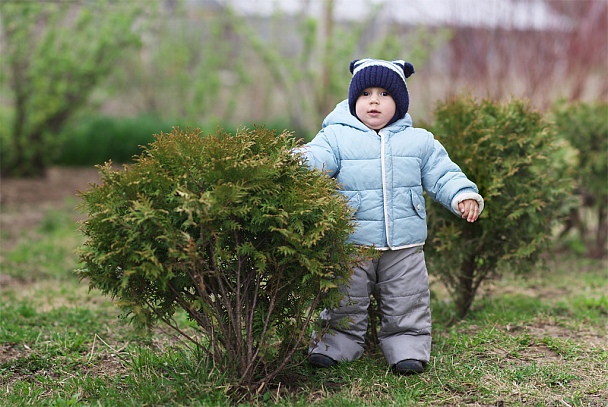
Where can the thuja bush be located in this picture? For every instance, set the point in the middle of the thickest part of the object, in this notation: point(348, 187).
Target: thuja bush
point(524, 172)
point(231, 228)
point(585, 126)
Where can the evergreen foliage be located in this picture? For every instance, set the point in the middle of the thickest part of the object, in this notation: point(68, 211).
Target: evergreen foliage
point(524, 173)
point(585, 126)
point(233, 229)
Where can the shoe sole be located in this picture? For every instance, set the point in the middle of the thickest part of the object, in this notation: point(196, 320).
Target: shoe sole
point(410, 368)
point(321, 361)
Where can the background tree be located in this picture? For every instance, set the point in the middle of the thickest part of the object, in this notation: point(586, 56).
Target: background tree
point(563, 59)
point(54, 54)
point(524, 172)
point(307, 61)
point(585, 126)
point(188, 70)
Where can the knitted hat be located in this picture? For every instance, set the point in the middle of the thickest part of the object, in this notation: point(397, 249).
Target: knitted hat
point(390, 75)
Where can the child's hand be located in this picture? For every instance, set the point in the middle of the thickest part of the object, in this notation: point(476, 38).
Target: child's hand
point(469, 209)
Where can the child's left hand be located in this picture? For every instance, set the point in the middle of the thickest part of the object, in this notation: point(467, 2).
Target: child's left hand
point(469, 209)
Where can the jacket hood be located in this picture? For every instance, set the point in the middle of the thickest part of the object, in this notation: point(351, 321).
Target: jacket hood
point(341, 115)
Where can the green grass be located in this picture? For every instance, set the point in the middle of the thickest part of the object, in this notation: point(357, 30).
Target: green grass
point(536, 341)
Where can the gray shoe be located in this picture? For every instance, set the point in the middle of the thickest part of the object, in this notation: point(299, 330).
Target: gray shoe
point(408, 366)
point(320, 360)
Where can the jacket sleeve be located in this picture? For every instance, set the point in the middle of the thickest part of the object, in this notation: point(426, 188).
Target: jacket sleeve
point(444, 181)
point(319, 153)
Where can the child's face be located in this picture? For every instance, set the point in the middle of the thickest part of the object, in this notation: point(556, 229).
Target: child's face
point(375, 107)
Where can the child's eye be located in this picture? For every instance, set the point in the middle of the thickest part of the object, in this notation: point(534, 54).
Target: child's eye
point(365, 93)
point(385, 94)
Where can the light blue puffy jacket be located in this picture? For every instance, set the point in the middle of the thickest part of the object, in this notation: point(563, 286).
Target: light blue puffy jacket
point(383, 175)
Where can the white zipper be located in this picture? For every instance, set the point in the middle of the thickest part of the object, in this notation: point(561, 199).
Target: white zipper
point(384, 186)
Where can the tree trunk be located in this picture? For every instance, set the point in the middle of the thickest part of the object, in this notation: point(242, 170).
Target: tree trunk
point(466, 288)
point(374, 316)
point(599, 248)
point(29, 159)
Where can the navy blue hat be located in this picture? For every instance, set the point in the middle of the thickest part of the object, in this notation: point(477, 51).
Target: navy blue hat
point(390, 75)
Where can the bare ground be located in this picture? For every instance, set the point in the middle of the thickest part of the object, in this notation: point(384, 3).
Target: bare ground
point(25, 202)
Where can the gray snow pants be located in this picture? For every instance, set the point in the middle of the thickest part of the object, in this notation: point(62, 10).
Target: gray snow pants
point(400, 280)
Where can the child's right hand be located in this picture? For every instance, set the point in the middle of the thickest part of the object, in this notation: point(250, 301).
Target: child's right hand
point(469, 208)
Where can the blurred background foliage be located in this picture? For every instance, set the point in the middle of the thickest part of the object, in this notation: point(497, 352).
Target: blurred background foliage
point(54, 55)
point(87, 81)
point(83, 82)
point(584, 125)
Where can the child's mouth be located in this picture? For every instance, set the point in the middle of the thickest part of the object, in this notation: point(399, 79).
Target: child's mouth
point(373, 112)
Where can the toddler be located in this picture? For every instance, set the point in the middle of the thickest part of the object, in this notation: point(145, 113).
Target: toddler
point(383, 164)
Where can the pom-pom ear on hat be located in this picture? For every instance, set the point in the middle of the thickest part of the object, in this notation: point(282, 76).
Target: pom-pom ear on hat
point(408, 69)
point(389, 75)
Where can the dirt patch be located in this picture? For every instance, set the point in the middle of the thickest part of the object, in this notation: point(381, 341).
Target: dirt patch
point(9, 351)
point(60, 183)
point(24, 202)
point(585, 337)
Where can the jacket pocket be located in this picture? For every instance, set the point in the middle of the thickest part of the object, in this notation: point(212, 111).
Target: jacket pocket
point(418, 203)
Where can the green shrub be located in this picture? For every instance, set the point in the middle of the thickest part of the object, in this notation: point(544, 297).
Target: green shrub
point(523, 172)
point(234, 230)
point(585, 126)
